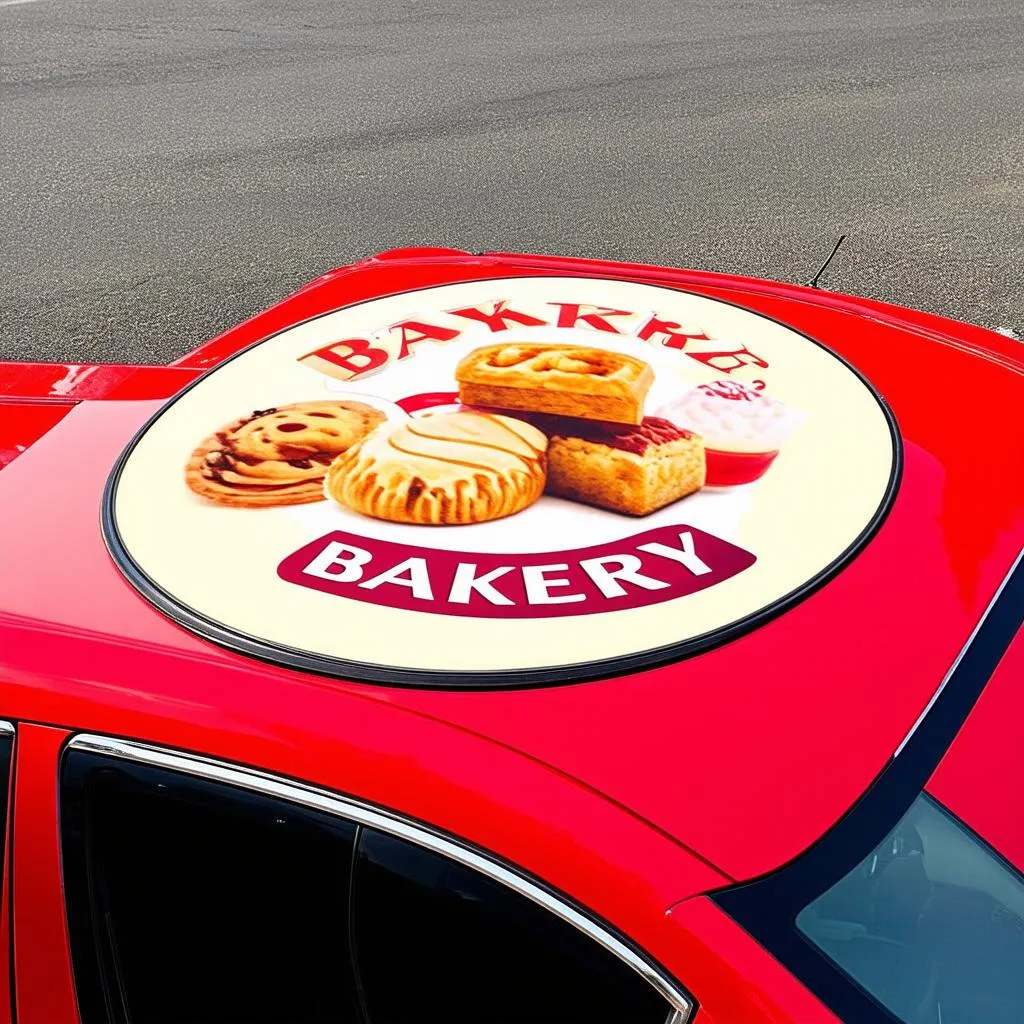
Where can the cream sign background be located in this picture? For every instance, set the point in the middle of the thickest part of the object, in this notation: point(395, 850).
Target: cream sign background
point(216, 567)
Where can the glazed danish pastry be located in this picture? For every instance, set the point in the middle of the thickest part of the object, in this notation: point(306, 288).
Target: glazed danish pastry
point(449, 469)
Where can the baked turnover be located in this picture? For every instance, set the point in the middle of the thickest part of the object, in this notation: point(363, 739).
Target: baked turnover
point(567, 380)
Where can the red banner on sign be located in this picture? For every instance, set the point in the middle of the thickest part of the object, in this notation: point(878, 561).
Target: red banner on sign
point(649, 568)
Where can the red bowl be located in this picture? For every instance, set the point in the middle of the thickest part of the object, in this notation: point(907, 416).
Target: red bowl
point(729, 469)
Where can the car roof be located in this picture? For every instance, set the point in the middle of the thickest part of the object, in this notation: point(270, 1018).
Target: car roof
point(743, 751)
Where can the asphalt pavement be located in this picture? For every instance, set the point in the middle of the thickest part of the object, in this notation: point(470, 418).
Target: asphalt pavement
point(171, 167)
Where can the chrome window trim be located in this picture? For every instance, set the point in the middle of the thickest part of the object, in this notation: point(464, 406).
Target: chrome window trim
point(6, 729)
point(332, 803)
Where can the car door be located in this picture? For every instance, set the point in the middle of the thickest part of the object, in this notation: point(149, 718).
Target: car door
point(201, 891)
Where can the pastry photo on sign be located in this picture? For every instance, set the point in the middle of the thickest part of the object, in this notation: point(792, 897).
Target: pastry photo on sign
point(451, 469)
point(277, 456)
point(527, 420)
point(541, 449)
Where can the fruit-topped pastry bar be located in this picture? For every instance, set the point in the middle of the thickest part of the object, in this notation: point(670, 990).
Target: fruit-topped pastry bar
point(630, 469)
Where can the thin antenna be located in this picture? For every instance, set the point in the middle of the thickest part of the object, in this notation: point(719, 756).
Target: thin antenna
point(813, 283)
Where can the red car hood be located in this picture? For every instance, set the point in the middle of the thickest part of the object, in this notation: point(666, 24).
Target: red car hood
point(745, 753)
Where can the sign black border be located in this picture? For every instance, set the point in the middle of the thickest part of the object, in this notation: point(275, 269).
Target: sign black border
point(509, 679)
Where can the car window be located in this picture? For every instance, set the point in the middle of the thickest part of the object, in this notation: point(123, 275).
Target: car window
point(931, 924)
point(193, 902)
point(438, 941)
point(6, 753)
point(6, 960)
point(190, 900)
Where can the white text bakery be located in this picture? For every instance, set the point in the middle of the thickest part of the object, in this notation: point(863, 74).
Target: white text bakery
point(353, 358)
point(652, 567)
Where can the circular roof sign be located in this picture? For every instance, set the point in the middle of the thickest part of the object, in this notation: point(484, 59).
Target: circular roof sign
point(503, 482)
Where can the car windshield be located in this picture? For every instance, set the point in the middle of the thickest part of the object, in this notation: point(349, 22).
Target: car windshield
point(931, 924)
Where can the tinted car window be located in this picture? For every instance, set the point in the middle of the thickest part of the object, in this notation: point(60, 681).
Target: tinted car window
point(438, 941)
point(6, 750)
point(931, 924)
point(194, 902)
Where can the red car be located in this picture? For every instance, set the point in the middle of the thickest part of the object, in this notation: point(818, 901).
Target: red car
point(503, 638)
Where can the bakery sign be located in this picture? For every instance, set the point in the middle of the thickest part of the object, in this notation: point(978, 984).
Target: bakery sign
point(527, 480)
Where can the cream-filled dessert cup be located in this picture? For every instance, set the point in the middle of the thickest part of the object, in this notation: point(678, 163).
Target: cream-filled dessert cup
point(743, 429)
